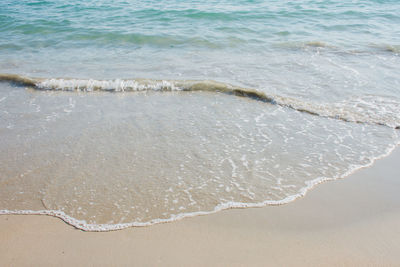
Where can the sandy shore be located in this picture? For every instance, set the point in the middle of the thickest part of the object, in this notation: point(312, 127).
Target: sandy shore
point(353, 222)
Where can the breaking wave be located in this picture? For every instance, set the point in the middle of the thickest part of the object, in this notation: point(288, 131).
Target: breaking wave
point(369, 109)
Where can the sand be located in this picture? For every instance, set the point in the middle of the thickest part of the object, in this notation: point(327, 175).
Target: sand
point(349, 222)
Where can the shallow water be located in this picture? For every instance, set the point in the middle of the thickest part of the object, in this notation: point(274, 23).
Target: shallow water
point(114, 118)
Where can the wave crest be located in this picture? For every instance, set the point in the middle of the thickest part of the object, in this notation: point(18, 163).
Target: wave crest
point(367, 109)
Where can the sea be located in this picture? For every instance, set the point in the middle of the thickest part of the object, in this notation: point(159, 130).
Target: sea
point(127, 113)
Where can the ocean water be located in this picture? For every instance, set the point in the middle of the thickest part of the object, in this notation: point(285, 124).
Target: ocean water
point(129, 113)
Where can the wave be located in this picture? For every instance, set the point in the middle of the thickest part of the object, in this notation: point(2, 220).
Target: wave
point(367, 109)
point(321, 47)
point(395, 49)
point(303, 45)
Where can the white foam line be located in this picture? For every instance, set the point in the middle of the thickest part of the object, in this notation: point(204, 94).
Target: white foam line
point(339, 111)
point(83, 225)
point(117, 85)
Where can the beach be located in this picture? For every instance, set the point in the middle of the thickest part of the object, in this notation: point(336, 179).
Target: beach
point(212, 133)
point(348, 222)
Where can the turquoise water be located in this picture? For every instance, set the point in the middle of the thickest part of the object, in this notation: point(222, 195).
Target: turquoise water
point(281, 46)
point(215, 104)
point(196, 24)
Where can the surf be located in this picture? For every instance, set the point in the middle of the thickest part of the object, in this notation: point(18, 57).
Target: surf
point(355, 110)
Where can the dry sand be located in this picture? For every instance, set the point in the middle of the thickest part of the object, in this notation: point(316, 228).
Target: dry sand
point(349, 222)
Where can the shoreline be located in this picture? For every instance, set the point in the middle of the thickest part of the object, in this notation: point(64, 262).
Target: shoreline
point(351, 221)
point(82, 225)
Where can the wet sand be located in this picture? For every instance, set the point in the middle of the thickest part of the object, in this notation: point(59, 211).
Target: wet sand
point(349, 222)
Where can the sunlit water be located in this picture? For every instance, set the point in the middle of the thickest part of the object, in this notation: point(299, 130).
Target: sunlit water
point(306, 92)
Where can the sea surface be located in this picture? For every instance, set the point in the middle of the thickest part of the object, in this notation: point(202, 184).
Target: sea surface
point(130, 113)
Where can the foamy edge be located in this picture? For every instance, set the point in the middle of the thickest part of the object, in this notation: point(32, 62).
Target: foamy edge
point(82, 225)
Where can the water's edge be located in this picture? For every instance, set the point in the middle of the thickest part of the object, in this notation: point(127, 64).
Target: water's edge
point(82, 225)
